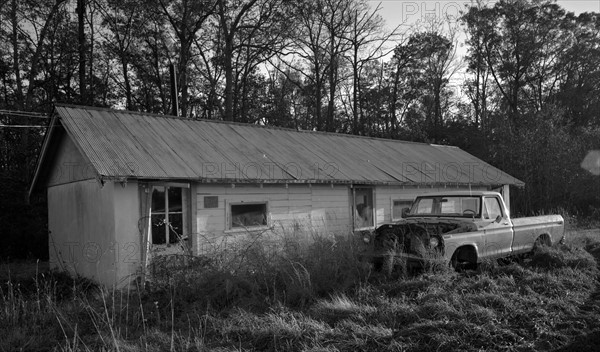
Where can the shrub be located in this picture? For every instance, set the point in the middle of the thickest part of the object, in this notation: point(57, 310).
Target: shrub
point(255, 273)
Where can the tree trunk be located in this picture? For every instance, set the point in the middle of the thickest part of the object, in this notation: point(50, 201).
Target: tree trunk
point(90, 78)
point(128, 102)
point(16, 50)
point(37, 54)
point(318, 119)
point(228, 68)
point(437, 118)
point(183, 76)
point(355, 95)
point(394, 99)
point(82, 46)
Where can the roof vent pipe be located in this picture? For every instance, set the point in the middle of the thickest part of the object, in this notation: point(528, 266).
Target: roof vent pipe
point(174, 96)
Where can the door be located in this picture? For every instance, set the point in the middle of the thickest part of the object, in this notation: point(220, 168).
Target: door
point(498, 231)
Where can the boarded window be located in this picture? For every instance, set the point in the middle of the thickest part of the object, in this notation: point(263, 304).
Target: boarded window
point(211, 202)
point(398, 205)
point(248, 215)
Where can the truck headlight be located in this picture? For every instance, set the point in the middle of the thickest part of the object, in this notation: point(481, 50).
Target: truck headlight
point(434, 241)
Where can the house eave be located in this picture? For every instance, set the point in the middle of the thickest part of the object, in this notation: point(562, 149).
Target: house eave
point(125, 178)
point(43, 156)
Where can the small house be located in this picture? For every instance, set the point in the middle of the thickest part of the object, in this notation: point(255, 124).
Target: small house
point(123, 187)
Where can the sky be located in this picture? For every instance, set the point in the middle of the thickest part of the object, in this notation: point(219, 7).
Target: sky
point(396, 12)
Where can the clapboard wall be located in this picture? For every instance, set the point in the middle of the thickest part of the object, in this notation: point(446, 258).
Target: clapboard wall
point(297, 209)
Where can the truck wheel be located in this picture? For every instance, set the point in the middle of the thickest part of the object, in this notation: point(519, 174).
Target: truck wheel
point(464, 259)
point(387, 243)
point(543, 240)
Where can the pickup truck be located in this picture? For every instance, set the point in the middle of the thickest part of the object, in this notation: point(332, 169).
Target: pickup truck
point(461, 229)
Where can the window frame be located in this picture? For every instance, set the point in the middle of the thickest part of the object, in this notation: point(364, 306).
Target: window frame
point(229, 216)
point(186, 210)
point(354, 210)
point(485, 208)
point(437, 206)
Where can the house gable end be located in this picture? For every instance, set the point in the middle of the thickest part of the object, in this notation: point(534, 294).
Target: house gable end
point(60, 160)
point(69, 165)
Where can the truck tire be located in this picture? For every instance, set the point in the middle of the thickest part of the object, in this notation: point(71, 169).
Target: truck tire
point(463, 259)
point(541, 241)
point(387, 241)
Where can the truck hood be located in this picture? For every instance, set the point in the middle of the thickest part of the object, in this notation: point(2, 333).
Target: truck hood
point(459, 224)
point(436, 220)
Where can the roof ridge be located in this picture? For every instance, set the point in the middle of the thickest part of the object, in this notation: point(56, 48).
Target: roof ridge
point(235, 123)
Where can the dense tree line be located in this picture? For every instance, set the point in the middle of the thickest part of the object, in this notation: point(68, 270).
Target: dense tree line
point(525, 96)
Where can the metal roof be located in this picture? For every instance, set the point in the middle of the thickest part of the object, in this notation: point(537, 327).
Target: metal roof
point(123, 144)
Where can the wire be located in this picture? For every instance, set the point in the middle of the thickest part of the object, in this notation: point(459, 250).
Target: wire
point(19, 113)
point(22, 126)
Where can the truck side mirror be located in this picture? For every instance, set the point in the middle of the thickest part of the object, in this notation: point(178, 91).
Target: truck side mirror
point(405, 211)
point(498, 218)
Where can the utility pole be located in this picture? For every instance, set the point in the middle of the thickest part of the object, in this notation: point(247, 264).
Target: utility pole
point(174, 91)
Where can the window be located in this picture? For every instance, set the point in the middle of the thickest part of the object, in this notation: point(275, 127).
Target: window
point(452, 205)
point(168, 214)
point(363, 207)
point(470, 203)
point(248, 215)
point(398, 205)
point(424, 206)
point(492, 208)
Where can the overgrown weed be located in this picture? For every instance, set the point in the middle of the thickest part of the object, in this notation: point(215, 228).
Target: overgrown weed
point(313, 296)
point(260, 275)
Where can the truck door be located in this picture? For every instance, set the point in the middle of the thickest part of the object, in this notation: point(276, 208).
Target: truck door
point(498, 231)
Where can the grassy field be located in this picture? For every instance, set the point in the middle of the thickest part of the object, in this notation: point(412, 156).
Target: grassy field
point(314, 297)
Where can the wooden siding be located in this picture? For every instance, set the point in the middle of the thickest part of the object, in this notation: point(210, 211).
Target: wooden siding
point(306, 209)
point(297, 210)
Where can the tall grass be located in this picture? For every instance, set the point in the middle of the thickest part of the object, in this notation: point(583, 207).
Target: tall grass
point(311, 295)
point(259, 273)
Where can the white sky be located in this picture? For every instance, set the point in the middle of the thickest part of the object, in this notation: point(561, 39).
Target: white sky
point(396, 12)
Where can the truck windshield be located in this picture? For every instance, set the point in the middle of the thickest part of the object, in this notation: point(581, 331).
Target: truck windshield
point(462, 206)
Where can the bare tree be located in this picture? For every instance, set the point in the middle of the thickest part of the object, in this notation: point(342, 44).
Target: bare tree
point(317, 53)
point(186, 18)
point(251, 32)
point(367, 38)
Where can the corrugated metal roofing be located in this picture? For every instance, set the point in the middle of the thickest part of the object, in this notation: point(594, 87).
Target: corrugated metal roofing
point(122, 144)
